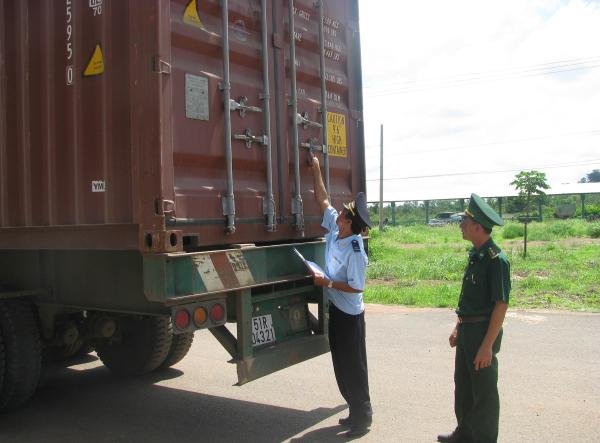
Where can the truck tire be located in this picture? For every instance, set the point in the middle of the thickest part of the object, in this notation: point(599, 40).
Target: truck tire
point(180, 346)
point(144, 344)
point(22, 350)
point(1, 361)
point(55, 354)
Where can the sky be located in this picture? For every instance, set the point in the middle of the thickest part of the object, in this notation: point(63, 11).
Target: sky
point(481, 86)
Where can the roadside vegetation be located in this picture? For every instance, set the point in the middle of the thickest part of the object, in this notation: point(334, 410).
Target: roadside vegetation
point(423, 266)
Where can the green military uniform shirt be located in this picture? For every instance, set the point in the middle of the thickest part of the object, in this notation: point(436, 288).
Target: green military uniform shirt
point(486, 281)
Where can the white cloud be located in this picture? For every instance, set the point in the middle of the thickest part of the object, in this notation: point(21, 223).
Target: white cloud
point(415, 59)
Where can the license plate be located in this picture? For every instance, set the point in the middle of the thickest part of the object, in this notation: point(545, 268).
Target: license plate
point(262, 330)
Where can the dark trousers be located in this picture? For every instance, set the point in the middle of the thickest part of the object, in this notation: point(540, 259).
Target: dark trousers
point(476, 401)
point(349, 355)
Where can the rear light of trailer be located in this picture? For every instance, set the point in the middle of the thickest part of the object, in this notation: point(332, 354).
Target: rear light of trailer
point(217, 313)
point(182, 319)
point(200, 316)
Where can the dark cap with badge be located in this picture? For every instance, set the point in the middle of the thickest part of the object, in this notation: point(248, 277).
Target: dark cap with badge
point(358, 208)
point(483, 213)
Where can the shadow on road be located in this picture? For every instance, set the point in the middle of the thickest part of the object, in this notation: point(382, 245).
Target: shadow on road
point(328, 434)
point(92, 405)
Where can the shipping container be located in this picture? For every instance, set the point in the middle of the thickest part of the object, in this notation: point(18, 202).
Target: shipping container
point(117, 121)
point(154, 178)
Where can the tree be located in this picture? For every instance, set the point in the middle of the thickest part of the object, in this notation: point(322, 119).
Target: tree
point(528, 184)
point(592, 177)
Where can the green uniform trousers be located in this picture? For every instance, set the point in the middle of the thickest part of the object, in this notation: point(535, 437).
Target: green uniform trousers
point(476, 402)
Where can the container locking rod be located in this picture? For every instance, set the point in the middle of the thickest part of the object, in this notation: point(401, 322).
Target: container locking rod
point(320, 5)
point(269, 201)
point(228, 200)
point(297, 205)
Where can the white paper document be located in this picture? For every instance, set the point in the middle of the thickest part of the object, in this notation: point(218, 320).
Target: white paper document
point(311, 265)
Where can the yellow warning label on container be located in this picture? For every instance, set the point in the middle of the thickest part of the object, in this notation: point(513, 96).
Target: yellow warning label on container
point(336, 134)
point(96, 64)
point(191, 17)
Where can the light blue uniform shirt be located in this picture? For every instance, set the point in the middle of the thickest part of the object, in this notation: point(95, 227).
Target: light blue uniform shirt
point(346, 261)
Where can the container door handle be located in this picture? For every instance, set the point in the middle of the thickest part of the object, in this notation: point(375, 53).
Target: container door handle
point(242, 107)
point(311, 146)
point(249, 138)
point(305, 122)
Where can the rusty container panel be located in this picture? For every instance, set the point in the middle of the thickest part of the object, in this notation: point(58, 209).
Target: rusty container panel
point(112, 122)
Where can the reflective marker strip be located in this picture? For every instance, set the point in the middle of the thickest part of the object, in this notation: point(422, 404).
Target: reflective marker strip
point(209, 275)
point(240, 268)
point(223, 267)
point(223, 270)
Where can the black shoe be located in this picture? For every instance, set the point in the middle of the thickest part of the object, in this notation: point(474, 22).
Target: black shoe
point(357, 431)
point(346, 421)
point(454, 437)
point(359, 427)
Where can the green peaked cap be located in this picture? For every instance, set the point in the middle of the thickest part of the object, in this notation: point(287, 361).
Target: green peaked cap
point(483, 213)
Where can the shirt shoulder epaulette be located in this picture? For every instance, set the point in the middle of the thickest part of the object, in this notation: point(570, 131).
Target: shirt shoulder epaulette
point(494, 252)
point(355, 246)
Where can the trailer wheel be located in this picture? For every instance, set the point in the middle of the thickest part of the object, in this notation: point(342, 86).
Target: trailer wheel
point(55, 354)
point(22, 353)
point(143, 344)
point(180, 346)
point(86, 348)
point(1, 361)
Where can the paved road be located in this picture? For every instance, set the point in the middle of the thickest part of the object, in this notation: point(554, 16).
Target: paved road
point(550, 390)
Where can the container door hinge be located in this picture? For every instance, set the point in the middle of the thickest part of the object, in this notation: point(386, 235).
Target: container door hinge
point(161, 66)
point(165, 207)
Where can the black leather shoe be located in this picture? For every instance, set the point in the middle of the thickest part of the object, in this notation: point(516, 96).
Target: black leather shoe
point(359, 427)
point(357, 431)
point(345, 421)
point(454, 437)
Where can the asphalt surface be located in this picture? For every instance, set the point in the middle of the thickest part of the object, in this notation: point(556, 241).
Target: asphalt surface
point(549, 388)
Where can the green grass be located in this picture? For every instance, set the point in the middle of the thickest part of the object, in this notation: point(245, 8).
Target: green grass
point(423, 266)
point(546, 231)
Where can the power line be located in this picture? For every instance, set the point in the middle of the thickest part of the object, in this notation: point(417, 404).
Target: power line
point(594, 161)
point(473, 81)
point(591, 133)
point(535, 67)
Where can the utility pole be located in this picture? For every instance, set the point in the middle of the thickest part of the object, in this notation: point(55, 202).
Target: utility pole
point(381, 182)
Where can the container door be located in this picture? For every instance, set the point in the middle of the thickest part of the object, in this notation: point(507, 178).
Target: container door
point(202, 196)
point(345, 144)
point(199, 123)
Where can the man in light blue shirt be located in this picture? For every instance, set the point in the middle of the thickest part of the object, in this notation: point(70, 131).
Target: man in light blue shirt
point(345, 268)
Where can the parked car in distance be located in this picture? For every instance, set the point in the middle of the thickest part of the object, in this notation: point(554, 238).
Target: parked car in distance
point(445, 218)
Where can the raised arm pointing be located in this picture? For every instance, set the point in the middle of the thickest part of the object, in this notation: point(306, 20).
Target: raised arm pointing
point(320, 191)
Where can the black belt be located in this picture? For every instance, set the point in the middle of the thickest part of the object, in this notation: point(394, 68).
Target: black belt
point(473, 319)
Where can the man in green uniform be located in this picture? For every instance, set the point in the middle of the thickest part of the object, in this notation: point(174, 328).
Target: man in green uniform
point(478, 332)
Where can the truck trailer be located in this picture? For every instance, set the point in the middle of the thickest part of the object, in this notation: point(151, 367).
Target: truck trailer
point(154, 178)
